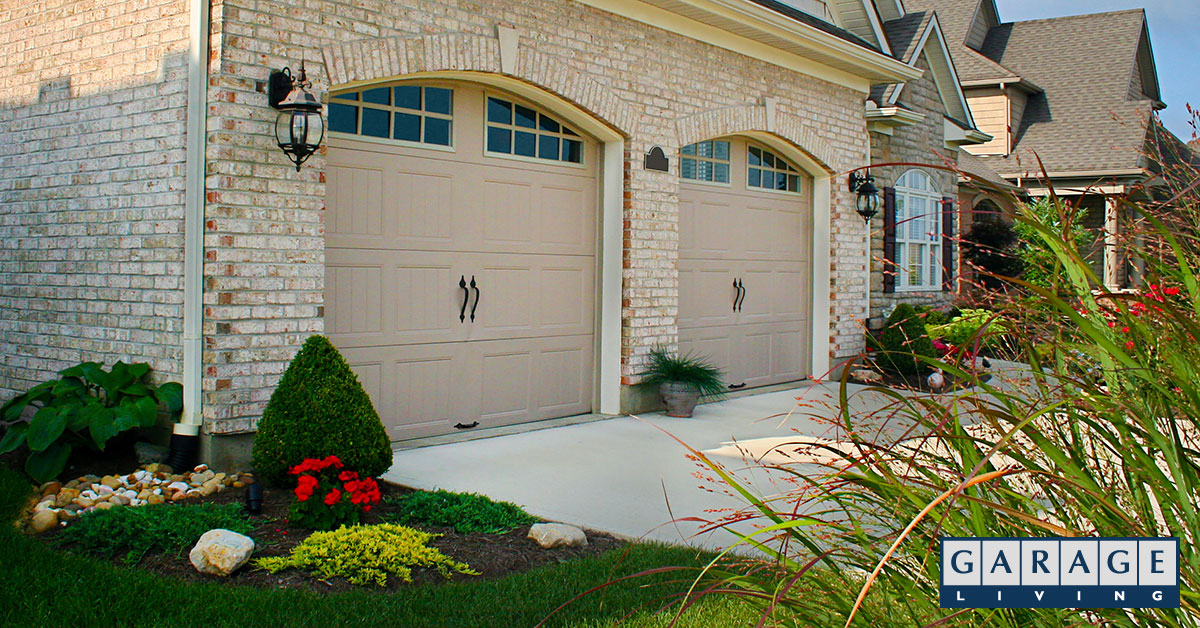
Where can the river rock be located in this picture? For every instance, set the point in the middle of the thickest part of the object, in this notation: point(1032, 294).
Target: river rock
point(550, 535)
point(105, 505)
point(51, 488)
point(111, 482)
point(221, 552)
point(66, 496)
point(43, 521)
point(198, 479)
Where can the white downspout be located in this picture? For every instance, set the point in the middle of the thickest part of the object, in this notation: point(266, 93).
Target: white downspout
point(193, 218)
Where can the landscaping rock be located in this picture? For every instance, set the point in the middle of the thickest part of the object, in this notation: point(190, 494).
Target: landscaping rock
point(550, 535)
point(867, 376)
point(221, 552)
point(43, 521)
point(111, 482)
point(51, 488)
point(148, 453)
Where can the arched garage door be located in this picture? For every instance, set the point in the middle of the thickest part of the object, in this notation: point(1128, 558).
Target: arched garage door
point(460, 256)
point(745, 261)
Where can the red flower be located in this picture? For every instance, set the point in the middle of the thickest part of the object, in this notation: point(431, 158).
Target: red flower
point(351, 486)
point(1128, 345)
point(1125, 330)
point(332, 461)
point(333, 497)
point(1172, 291)
point(347, 475)
point(366, 508)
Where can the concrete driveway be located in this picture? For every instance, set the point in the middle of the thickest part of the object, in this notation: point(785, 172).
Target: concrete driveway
point(627, 475)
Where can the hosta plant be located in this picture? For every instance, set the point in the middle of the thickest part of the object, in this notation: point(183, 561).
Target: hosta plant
point(328, 495)
point(86, 406)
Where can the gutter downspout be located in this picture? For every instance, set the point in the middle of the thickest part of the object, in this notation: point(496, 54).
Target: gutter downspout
point(193, 222)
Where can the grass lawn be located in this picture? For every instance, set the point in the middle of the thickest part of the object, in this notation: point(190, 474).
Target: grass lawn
point(43, 587)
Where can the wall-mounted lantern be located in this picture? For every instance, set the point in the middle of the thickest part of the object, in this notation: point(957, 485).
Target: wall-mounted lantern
point(867, 203)
point(299, 128)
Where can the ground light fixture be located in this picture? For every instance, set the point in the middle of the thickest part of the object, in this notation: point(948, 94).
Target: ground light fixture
point(867, 203)
point(299, 128)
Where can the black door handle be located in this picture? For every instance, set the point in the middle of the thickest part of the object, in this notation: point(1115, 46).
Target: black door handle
point(737, 293)
point(737, 304)
point(462, 312)
point(737, 386)
point(476, 287)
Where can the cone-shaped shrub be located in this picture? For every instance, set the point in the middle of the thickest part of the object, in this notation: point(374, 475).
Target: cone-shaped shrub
point(319, 409)
point(902, 340)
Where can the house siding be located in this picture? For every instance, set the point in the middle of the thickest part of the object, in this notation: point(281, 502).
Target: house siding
point(92, 112)
point(921, 143)
point(989, 107)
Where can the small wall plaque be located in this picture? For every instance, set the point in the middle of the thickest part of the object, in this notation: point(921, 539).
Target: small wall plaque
point(656, 159)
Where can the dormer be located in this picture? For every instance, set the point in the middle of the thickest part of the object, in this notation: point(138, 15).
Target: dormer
point(1143, 78)
point(986, 17)
point(998, 110)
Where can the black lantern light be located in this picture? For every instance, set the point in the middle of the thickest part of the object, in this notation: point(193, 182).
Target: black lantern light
point(299, 128)
point(867, 203)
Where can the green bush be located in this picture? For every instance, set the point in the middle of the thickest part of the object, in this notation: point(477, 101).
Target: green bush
point(138, 530)
point(86, 406)
point(665, 367)
point(1041, 263)
point(903, 339)
point(319, 409)
point(963, 329)
point(466, 512)
point(366, 555)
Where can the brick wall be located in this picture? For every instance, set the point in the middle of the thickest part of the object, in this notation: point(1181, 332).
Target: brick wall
point(920, 143)
point(264, 242)
point(92, 116)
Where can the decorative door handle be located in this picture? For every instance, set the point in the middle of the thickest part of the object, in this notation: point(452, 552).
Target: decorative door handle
point(462, 312)
point(476, 287)
point(737, 386)
point(738, 301)
point(737, 289)
point(465, 426)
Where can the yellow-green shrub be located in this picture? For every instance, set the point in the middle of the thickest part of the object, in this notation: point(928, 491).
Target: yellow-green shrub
point(366, 554)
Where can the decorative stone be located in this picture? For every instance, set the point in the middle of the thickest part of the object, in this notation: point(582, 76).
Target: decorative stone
point(66, 496)
point(148, 453)
point(867, 376)
point(200, 468)
point(103, 489)
point(550, 535)
point(43, 521)
point(51, 488)
point(178, 486)
point(105, 505)
point(155, 499)
point(85, 502)
point(198, 479)
point(221, 552)
point(110, 482)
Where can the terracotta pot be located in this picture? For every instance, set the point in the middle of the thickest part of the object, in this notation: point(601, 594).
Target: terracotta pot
point(681, 398)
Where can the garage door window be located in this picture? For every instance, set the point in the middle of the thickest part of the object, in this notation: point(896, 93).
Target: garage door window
point(769, 171)
point(406, 113)
point(521, 131)
point(918, 232)
point(705, 161)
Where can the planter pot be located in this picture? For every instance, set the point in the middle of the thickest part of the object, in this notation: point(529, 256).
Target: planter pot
point(681, 398)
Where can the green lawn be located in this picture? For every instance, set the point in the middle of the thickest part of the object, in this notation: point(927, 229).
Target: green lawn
point(42, 587)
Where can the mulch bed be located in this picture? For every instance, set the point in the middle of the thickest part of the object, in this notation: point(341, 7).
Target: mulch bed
point(493, 555)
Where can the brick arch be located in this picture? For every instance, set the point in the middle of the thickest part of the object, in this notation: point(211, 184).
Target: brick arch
point(373, 60)
point(757, 119)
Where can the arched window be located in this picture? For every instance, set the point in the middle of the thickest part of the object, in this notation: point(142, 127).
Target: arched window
point(918, 232)
point(406, 113)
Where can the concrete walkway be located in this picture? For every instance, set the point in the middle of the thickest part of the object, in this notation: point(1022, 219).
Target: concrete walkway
point(627, 475)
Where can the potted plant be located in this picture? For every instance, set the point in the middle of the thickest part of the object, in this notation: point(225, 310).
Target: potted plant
point(682, 380)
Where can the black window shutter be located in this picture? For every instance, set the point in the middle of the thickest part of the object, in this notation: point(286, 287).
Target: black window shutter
point(948, 243)
point(889, 240)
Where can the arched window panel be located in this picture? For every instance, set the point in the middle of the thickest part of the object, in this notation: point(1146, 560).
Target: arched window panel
point(407, 113)
point(705, 161)
point(522, 131)
point(769, 171)
point(918, 232)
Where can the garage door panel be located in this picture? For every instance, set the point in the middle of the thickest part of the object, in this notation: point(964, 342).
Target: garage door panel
point(761, 237)
point(405, 223)
point(706, 294)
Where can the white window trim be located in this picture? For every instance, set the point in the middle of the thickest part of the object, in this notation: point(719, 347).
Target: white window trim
point(934, 276)
point(583, 148)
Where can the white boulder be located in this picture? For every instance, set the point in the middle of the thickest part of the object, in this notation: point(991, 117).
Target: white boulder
point(550, 535)
point(221, 552)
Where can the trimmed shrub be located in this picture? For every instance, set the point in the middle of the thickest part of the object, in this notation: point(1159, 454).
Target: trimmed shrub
point(163, 528)
point(902, 340)
point(319, 409)
point(366, 555)
point(465, 512)
point(991, 246)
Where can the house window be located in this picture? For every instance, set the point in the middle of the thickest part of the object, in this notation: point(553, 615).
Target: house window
point(705, 161)
point(514, 129)
point(769, 171)
point(918, 232)
point(407, 113)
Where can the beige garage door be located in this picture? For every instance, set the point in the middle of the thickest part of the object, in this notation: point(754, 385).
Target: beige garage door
point(745, 261)
point(509, 211)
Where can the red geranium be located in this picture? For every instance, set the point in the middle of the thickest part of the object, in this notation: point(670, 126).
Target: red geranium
point(346, 495)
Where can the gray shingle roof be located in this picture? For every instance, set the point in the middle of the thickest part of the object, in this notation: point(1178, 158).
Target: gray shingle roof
point(1083, 120)
point(819, 24)
point(955, 19)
